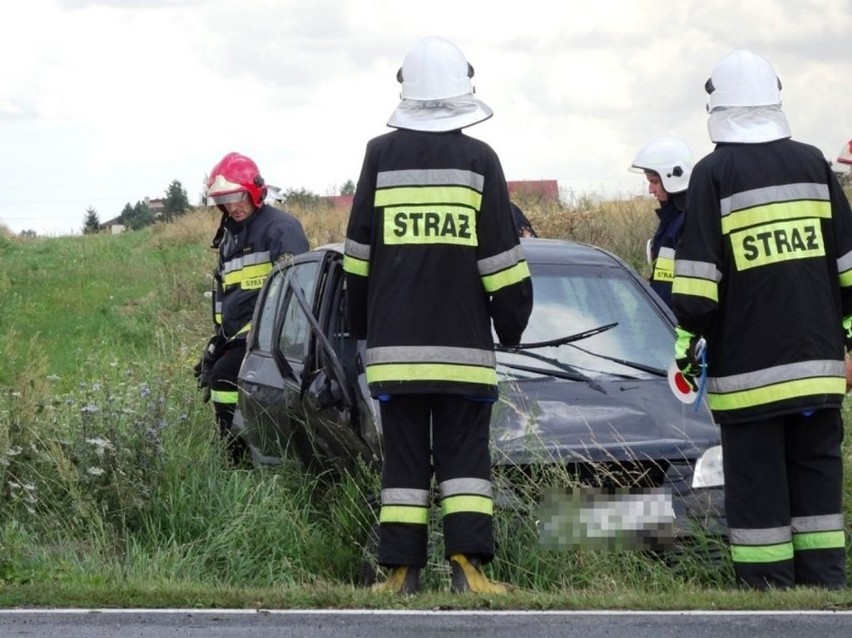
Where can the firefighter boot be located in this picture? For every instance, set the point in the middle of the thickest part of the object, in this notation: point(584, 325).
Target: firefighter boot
point(467, 576)
point(403, 580)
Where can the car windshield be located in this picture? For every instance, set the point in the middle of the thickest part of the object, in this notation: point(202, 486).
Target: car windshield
point(571, 299)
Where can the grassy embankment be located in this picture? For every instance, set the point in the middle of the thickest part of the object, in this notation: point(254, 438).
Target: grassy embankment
point(115, 491)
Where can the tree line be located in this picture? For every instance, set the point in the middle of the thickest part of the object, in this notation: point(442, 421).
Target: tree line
point(176, 203)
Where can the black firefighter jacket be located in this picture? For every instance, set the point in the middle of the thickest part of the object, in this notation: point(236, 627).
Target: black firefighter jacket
point(431, 258)
point(246, 255)
point(764, 272)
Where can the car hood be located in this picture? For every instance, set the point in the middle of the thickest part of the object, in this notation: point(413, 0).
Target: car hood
point(547, 419)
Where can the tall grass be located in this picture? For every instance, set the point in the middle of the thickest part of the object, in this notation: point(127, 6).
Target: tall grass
point(114, 489)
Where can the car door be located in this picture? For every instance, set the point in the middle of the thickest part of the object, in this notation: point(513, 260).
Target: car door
point(338, 411)
point(271, 378)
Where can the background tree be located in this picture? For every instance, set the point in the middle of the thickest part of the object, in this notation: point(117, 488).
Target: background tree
point(176, 202)
point(348, 188)
point(137, 216)
point(91, 223)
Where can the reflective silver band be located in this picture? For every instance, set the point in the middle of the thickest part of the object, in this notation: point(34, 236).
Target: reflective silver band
point(772, 195)
point(776, 374)
point(699, 269)
point(823, 523)
point(475, 486)
point(238, 263)
point(764, 536)
point(404, 496)
point(431, 354)
point(354, 249)
point(501, 261)
point(431, 177)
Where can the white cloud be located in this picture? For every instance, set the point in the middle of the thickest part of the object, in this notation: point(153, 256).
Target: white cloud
point(104, 102)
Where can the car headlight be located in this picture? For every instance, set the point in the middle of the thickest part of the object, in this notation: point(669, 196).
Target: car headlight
point(708, 469)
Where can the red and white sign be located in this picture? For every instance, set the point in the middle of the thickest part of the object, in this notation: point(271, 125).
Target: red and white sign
point(679, 386)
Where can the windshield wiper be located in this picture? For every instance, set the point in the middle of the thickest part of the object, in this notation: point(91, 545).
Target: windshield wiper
point(557, 342)
point(659, 372)
point(564, 371)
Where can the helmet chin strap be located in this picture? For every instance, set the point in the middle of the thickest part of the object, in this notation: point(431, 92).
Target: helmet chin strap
point(220, 232)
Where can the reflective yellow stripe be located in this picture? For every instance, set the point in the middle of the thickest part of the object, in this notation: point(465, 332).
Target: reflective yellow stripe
point(820, 540)
point(467, 504)
point(403, 514)
point(776, 392)
point(846, 278)
point(775, 212)
point(513, 275)
point(777, 242)
point(664, 269)
point(696, 288)
point(224, 396)
point(761, 553)
point(430, 372)
point(248, 278)
point(245, 328)
point(402, 196)
point(355, 266)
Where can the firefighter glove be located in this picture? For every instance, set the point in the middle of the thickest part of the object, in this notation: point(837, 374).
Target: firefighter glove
point(687, 354)
point(204, 366)
point(847, 332)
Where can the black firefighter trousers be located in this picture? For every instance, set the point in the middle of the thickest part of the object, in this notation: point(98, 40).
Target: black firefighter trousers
point(223, 392)
point(452, 433)
point(783, 500)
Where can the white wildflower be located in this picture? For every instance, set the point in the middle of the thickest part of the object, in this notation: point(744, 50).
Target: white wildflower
point(100, 445)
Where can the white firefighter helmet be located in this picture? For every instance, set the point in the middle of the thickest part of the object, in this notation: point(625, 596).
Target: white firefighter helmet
point(435, 69)
point(670, 158)
point(743, 78)
point(437, 93)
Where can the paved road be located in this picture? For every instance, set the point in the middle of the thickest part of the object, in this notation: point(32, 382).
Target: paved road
point(184, 623)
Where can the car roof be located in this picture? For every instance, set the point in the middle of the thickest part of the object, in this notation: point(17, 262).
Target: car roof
point(563, 251)
point(544, 251)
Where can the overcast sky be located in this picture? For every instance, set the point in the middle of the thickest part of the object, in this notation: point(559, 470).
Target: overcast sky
point(105, 102)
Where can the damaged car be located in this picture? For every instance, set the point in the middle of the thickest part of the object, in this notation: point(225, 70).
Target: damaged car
point(586, 392)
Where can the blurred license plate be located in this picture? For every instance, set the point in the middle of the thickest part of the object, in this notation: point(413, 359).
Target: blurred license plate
point(606, 519)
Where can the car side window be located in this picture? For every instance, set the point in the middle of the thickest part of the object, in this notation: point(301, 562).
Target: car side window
point(266, 318)
point(295, 330)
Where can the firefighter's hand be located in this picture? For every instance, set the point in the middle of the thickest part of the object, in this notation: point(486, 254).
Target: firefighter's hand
point(205, 363)
point(687, 355)
point(202, 373)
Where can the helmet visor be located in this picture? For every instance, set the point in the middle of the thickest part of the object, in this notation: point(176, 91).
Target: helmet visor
point(227, 198)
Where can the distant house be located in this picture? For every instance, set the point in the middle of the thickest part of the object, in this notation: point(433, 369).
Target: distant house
point(542, 189)
point(156, 205)
point(113, 226)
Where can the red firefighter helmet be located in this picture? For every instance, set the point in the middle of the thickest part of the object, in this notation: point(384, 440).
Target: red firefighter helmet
point(232, 178)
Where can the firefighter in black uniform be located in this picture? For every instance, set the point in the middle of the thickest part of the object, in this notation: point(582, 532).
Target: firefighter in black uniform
point(432, 258)
point(764, 273)
point(251, 238)
point(667, 163)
